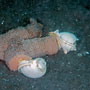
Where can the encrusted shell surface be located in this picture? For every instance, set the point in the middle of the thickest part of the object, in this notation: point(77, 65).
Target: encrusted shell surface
point(33, 68)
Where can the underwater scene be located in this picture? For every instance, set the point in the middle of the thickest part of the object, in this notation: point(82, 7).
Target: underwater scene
point(44, 44)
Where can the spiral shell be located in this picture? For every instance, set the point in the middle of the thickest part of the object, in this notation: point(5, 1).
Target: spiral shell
point(33, 68)
point(67, 41)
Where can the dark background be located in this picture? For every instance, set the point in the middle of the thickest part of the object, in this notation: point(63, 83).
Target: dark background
point(64, 72)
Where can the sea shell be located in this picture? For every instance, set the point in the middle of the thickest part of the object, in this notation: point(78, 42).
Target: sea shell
point(33, 68)
point(67, 41)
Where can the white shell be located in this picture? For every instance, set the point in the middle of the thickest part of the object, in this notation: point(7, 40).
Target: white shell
point(67, 41)
point(33, 68)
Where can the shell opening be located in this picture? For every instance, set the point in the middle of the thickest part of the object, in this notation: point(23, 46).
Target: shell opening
point(33, 68)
